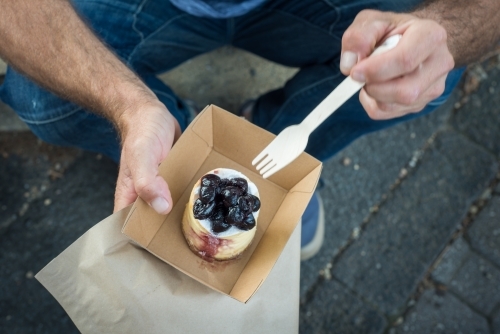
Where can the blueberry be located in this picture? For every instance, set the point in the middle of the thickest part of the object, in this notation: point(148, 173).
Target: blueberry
point(219, 213)
point(223, 183)
point(239, 182)
point(235, 216)
point(231, 195)
point(248, 223)
point(246, 203)
point(203, 210)
point(256, 204)
point(219, 227)
point(210, 180)
point(207, 193)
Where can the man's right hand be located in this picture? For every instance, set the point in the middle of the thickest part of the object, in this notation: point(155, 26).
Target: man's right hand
point(148, 134)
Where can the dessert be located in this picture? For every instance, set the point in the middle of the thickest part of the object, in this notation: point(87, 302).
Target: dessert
point(220, 218)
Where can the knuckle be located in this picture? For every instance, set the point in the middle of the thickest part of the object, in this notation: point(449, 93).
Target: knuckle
point(143, 186)
point(353, 37)
point(440, 35)
point(366, 13)
point(407, 61)
point(385, 107)
point(408, 96)
point(417, 109)
point(437, 91)
point(449, 63)
point(374, 113)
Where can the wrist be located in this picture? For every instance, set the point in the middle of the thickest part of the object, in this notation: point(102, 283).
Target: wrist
point(141, 112)
point(125, 105)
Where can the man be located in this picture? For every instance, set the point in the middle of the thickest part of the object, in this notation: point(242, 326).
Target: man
point(110, 74)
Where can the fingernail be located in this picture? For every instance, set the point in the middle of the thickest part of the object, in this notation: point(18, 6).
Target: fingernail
point(358, 76)
point(160, 205)
point(348, 60)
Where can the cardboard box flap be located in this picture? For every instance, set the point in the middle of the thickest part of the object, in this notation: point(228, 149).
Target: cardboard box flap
point(308, 184)
point(271, 244)
point(204, 128)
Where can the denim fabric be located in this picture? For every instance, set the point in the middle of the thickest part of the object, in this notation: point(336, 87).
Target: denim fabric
point(217, 9)
point(153, 36)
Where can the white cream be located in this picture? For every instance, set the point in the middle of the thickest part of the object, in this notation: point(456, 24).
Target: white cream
point(224, 173)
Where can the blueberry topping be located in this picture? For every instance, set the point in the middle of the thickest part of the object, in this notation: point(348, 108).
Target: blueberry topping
point(219, 214)
point(203, 210)
point(256, 203)
point(226, 202)
point(223, 183)
point(219, 227)
point(231, 195)
point(240, 183)
point(248, 223)
point(210, 180)
point(235, 216)
point(246, 203)
point(207, 193)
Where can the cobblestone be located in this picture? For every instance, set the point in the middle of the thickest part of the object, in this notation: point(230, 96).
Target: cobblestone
point(479, 118)
point(349, 194)
point(451, 261)
point(477, 283)
point(435, 313)
point(388, 260)
point(496, 323)
point(484, 234)
point(334, 309)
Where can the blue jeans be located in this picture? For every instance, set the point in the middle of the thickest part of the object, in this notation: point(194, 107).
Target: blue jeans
point(152, 36)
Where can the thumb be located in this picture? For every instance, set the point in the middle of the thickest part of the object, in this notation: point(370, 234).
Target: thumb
point(359, 40)
point(155, 192)
point(148, 184)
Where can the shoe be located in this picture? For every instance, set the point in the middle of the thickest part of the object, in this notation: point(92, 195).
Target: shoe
point(246, 110)
point(313, 228)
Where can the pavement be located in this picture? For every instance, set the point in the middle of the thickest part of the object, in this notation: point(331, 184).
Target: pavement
point(412, 238)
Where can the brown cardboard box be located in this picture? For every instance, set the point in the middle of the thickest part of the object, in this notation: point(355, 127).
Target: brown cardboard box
point(218, 139)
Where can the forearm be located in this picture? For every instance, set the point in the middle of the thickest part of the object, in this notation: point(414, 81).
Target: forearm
point(472, 26)
point(49, 43)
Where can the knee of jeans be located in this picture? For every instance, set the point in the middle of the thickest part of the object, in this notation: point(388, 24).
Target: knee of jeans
point(33, 104)
point(83, 130)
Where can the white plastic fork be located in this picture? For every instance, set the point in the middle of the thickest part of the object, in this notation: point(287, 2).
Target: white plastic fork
point(292, 141)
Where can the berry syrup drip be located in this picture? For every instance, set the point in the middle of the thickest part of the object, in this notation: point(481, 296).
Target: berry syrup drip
point(210, 247)
point(226, 203)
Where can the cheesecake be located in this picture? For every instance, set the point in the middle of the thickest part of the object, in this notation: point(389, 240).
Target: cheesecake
point(220, 219)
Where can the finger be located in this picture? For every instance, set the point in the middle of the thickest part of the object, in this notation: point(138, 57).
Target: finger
point(411, 88)
point(419, 41)
point(359, 40)
point(148, 185)
point(382, 111)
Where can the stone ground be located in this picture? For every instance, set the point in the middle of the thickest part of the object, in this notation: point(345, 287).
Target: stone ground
point(413, 213)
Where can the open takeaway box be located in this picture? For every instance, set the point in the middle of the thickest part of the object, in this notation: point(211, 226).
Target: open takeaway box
point(107, 284)
point(218, 139)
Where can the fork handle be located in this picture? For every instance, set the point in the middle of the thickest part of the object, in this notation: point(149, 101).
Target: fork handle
point(342, 92)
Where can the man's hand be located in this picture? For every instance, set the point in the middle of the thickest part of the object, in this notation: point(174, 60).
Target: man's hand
point(436, 36)
point(148, 135)
point(404, 79)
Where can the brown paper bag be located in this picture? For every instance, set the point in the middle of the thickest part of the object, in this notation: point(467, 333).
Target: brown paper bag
point(108, 285)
